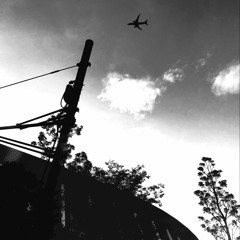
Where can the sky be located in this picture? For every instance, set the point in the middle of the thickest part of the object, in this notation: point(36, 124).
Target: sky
point(163, 97)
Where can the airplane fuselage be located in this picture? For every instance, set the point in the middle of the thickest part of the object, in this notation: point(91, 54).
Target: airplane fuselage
point(137, 24)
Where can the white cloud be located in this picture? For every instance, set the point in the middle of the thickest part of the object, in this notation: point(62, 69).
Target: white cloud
point(227, 81)
point(203, 61)
point(173, 75)
point(130, 95)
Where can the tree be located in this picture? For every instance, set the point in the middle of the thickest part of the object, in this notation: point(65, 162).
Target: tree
point(216, 201)
point(130, 180)
point(49, 138)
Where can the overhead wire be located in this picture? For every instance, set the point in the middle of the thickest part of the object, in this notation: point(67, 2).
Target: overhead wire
point(53, 148)
point(21, 125)
point(39, 76)
point(17, 143)
point(52, 151)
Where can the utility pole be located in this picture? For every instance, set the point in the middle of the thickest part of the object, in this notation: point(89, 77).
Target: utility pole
point(60, 153)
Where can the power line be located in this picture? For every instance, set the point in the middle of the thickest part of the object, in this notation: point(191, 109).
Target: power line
point(38, 76)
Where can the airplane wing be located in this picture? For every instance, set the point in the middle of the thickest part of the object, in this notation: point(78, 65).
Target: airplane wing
point(138, 27)
point(137, 18)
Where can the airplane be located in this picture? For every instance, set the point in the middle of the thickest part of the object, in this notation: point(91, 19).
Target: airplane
point(136, 23)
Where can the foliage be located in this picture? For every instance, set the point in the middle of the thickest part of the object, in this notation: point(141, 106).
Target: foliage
point(216, 201)
point(25, 211)
point(130, 180)
point(80, 164)
point(49, 138)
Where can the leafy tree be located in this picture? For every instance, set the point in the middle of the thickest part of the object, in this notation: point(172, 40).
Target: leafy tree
point(80, 164)
point(216, 201)
point(48, 138)
point(130, 180)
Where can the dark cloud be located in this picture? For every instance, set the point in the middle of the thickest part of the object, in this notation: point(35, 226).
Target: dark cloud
point(187, 29)
point(178, 30)
point(49, 15)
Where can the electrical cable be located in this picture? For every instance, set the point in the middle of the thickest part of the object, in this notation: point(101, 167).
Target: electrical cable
point(40, 124)
point(60, 110)
point(16, 145)
point(9, 85)
point(19, 142)
point(52, 150)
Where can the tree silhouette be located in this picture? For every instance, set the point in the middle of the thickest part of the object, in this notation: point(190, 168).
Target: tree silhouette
point(48, 138)
point(130, 180)
point(216, 201)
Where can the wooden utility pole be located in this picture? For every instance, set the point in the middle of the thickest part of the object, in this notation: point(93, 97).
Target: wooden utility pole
point(60, 153)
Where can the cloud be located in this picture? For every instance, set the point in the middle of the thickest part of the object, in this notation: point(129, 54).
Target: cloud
point(227, 80)
point(173, 75)
point(201, 62)
point(130, 95)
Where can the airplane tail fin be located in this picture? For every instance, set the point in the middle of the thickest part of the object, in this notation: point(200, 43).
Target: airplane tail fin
point(146, 22)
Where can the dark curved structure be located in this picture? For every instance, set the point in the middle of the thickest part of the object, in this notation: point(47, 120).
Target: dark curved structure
point(97, 211)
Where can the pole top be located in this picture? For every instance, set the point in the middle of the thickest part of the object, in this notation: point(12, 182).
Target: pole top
point(87, 52)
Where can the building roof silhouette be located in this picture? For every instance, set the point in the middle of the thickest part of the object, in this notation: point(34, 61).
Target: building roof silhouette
point(94, 210)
